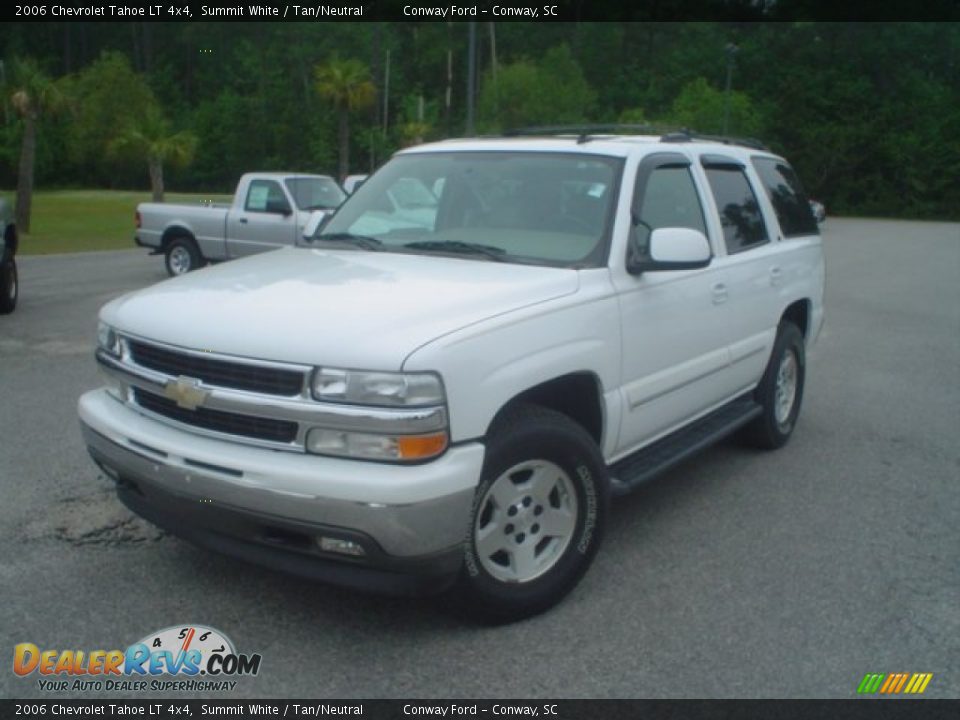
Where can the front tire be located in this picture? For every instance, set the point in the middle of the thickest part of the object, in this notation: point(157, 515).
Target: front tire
point(780, 392)
point(9, 286)
point(182, 256)
point(538, 516)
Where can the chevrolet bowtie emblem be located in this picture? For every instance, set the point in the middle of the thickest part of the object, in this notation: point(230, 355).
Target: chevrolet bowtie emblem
point(186, 392)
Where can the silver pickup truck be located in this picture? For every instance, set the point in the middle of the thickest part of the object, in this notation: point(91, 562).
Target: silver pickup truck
point(269, 210)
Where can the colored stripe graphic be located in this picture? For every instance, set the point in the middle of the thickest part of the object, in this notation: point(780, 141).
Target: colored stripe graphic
point(890, 682)
point(894, 683)
point(920, 682)
point(900, 683)
point(870, 683)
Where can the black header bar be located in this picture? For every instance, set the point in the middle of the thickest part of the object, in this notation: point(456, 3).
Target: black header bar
point(478, 10)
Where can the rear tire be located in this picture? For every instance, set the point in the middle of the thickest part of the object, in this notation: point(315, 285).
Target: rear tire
point(780, 392)
point(182, 256)
point(9, 286)
point(538, 516)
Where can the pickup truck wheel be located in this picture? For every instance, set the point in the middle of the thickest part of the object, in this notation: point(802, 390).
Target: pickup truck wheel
point(9, 287)
point(182, 256)
point(538, 516)
point(780, 391)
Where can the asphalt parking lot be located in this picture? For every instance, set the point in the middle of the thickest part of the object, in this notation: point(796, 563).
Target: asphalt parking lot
point(739, 574)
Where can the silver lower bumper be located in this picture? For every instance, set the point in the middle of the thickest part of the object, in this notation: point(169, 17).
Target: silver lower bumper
point(258, 535)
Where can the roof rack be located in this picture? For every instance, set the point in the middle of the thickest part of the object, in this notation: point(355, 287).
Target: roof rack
point(668, 134)
point(585, 133)
point(686, 135)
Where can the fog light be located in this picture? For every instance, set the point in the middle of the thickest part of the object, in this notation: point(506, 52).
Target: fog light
point(376, 447)
point(342, 547)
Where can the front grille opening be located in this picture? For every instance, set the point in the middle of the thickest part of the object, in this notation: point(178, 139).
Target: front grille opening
point(146, 448)
point(286, 538)
point(222, 373)
point(281, 431)
point(214, 468)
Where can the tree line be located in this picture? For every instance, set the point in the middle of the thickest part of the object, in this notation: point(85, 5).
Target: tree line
point(869, 113)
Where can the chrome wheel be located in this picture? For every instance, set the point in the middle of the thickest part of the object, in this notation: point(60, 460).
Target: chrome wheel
point(786, 389)
point(525, 521)
point(180, 260)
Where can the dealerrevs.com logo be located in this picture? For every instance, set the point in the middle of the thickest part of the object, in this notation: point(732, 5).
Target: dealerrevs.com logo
point(199, 657)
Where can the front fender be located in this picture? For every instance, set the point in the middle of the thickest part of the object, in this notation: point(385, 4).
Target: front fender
point(488, 364)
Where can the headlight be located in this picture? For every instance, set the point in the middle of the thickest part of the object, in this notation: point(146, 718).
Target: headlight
point(377, 388)
point(108, 340)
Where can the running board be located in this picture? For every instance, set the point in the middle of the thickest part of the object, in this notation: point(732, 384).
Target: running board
point(634, 470)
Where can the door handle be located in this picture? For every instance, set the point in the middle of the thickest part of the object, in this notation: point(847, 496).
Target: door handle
point(719, 293)
point(243, 221)
point(776, 276)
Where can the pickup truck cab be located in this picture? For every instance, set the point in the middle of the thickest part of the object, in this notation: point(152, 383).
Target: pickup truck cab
point(453, 403)
point(9, 282)
point(269, 210)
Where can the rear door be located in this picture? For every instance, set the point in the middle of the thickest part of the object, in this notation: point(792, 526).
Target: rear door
point(265, 221)
point(750, 273)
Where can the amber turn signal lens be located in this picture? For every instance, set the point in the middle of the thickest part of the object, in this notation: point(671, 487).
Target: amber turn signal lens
point(421, 447)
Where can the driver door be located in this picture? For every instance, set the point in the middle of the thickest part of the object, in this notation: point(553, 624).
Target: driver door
point(266, 221)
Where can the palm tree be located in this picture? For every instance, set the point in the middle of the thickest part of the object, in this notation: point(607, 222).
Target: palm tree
point(150, 139)
point(347, 84)
point(35, 93)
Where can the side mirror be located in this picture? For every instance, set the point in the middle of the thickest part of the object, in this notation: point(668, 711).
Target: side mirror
point(671, 249)
point(279, 207)
point(313, 223)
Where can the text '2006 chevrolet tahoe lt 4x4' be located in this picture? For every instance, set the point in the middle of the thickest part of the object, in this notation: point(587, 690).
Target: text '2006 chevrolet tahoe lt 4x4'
point(450, 398)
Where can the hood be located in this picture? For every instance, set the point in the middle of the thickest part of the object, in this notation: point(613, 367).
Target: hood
point(342, 308)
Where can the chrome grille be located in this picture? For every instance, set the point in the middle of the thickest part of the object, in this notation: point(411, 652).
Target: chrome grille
point(260, 428)
point(222, 373)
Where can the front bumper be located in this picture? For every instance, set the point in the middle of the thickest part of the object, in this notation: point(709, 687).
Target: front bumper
point(270, 507)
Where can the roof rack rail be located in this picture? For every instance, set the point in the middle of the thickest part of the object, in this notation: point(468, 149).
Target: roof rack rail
point(668, 134)
point(687, 135)
point(585, 133)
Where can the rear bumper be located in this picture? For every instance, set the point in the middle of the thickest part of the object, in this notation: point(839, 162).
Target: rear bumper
point(140, 242)
point(170, 478)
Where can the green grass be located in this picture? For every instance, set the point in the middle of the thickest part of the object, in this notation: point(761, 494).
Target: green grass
point(66, 221)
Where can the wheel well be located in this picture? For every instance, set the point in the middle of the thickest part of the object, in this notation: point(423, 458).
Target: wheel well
point(799, 314)
point(576, 395)
point(170, 234)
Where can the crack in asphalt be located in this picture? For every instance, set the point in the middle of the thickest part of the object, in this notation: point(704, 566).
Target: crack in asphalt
point(97, 519)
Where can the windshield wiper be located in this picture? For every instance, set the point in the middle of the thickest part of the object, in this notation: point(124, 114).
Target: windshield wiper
point(456, 246)
point(364, 241)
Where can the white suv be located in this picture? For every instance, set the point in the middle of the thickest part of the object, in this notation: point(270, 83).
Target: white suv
point(452, 397)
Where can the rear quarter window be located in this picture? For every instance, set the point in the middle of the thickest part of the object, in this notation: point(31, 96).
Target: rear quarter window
point(787, 197)
point(740, 216)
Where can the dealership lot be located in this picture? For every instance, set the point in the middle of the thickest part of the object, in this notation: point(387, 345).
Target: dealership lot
point(739, 574)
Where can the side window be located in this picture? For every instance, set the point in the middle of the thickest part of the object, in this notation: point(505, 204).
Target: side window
point(266, 196)
point(669, 200)
point(743, 226)
point(787, 197)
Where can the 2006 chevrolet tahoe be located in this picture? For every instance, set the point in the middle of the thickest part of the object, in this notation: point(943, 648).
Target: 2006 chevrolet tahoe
point(450, 396)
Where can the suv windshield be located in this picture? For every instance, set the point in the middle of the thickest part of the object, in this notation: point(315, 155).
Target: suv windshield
point(310, 193)
point(530, 207)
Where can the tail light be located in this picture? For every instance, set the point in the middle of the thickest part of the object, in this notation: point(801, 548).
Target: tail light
point(137, 214)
